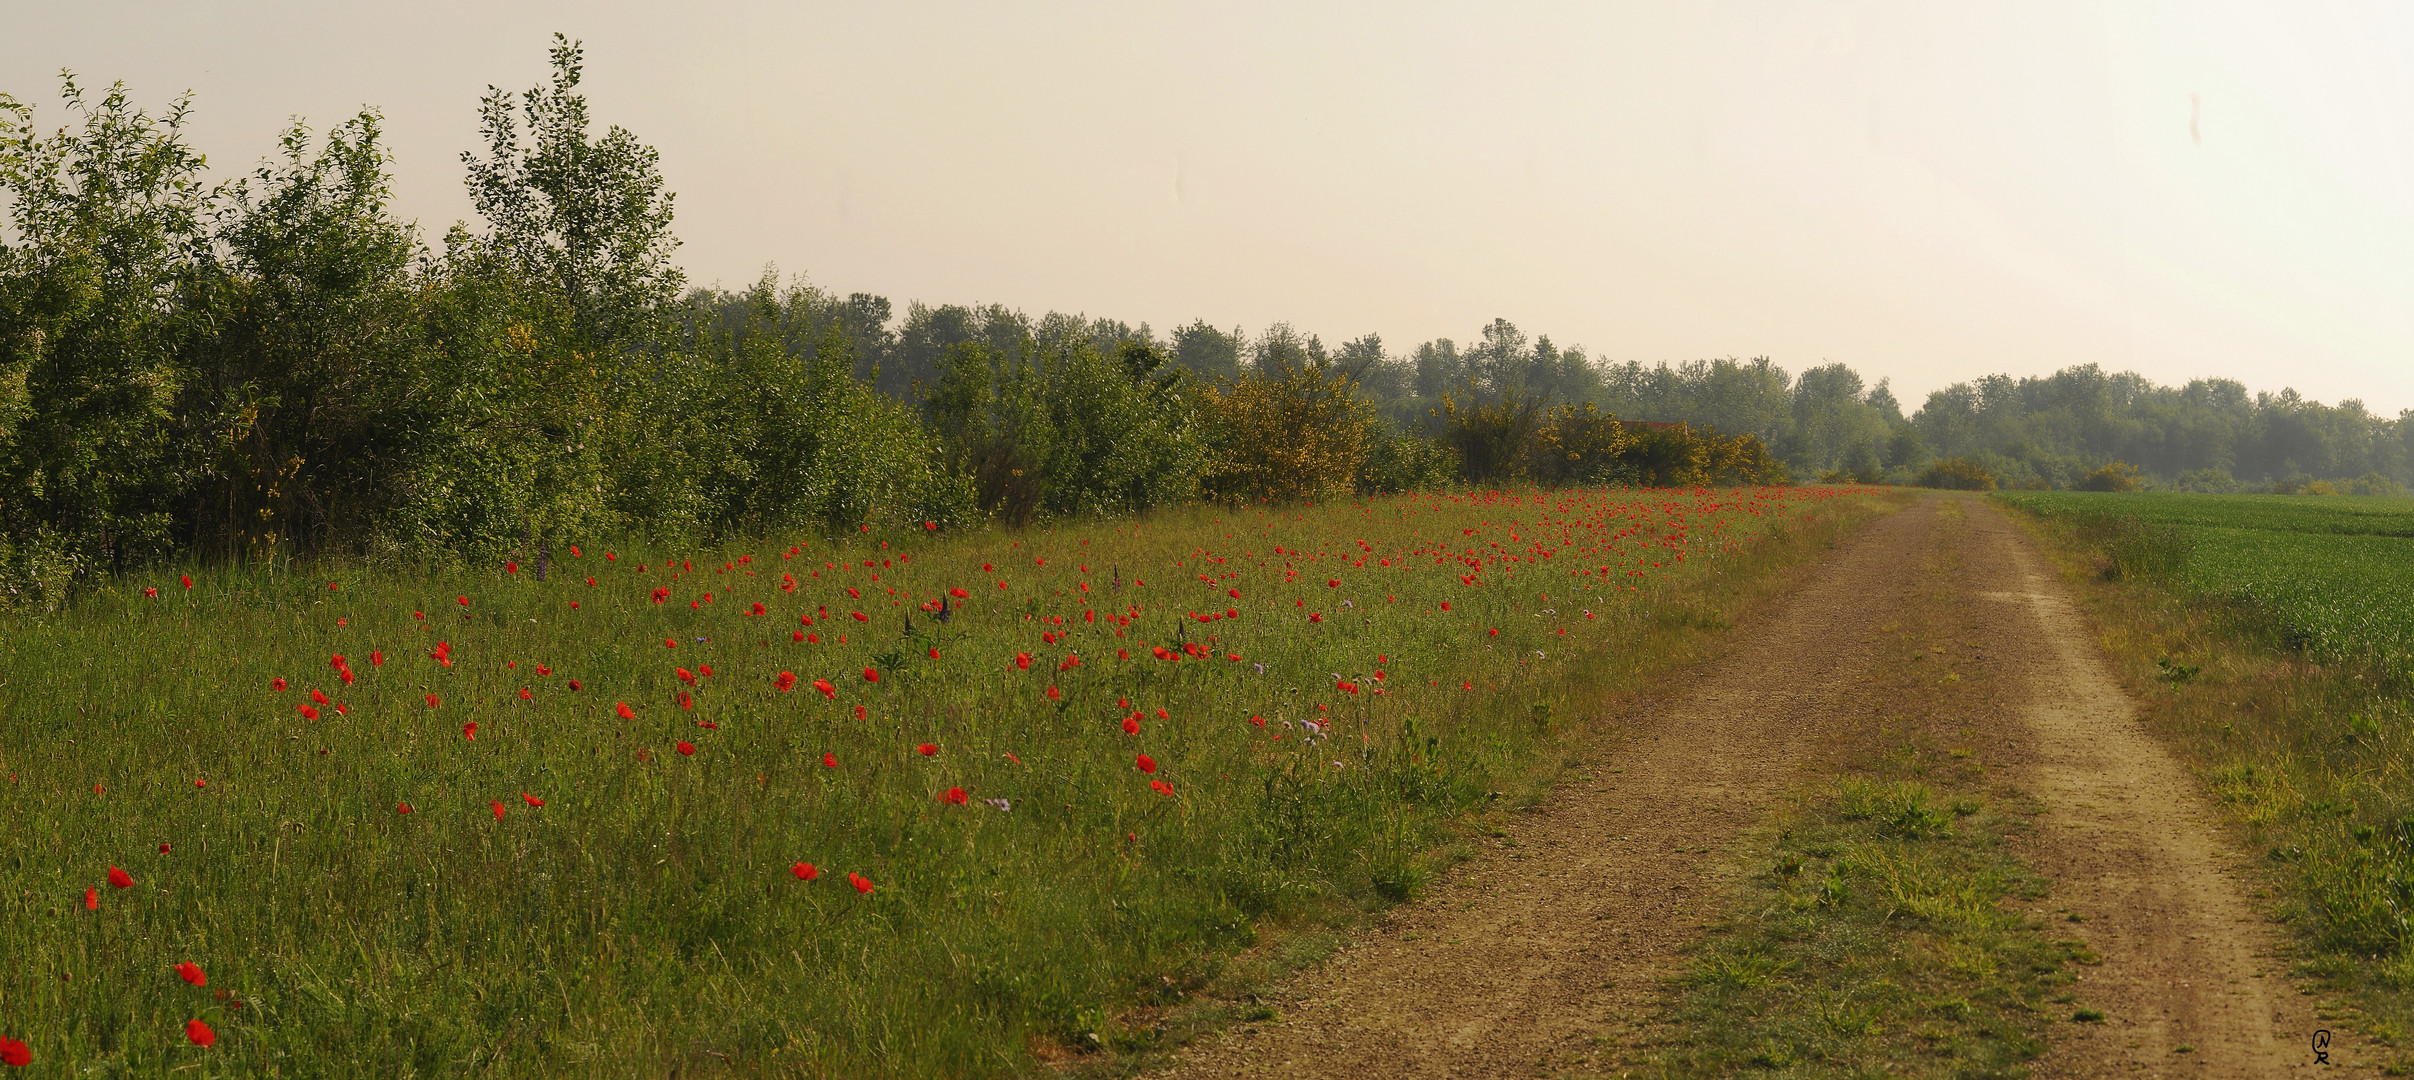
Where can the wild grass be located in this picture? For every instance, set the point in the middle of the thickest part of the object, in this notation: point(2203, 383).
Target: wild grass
point(2290, 708)
point(1385, 667)
point(1880, 935)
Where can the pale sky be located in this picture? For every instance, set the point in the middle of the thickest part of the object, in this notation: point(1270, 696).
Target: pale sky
point(1928, 192)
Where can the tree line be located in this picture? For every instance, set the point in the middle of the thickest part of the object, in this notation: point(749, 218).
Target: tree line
point(277, 365)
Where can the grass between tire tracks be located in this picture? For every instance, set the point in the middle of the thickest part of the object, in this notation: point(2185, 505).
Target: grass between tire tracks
point(2309, 752)
point(574, 891)
point(1883, 923)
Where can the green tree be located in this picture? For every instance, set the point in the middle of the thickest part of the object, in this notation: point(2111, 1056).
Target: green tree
point(108, 217)
point(309, 396)
point(590, 217)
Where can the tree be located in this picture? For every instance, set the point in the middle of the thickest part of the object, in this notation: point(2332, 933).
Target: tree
point(308, 394)
point(108, 218)
point(589, 217)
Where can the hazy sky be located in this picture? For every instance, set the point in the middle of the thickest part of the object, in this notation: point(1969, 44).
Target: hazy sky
point(1929, 192)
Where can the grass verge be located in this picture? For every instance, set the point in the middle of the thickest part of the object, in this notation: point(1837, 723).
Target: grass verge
point(2309, 752)
point(903, 805)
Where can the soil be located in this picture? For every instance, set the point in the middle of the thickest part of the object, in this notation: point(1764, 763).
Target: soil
point(1547, 952)
point(2132, 846)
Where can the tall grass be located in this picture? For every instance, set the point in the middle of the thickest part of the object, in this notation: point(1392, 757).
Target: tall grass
point(1384, 667)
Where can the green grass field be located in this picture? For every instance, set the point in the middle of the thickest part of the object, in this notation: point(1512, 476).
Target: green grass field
point(910, 805)
point(2336, 572)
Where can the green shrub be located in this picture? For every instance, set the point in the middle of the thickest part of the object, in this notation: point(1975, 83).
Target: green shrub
point(1957, 474)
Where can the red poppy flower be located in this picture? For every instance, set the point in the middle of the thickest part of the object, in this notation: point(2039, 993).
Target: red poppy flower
point(870, 675)
point(796, 635)
point(1021, 660)
point(959, 593)
point(188, 580)
point(120, 879)
point(531, 800)
point(934, 652)
point(431, 701)
point(661, 593)
point(497, 806)
point(574, 552)
point(92, 899)
point(150, 592)
point(670, 643)
point(199, 782)
point(1315, 616)
point(687, 748)
point(199, 1033)
point(470, 731)
point(1055, 694)
point(1131, 724)
point(308, 712)
point(830, 760)
point(1145, 763)
point(163, 849)
point(277, 684)
point(402, 808)
point(926, 749)
point(622, 708)
point(861, 883)
point(1333, 584)
point(525, 695)
point(463, 599)
point(1258, 720)
point(686, 702)
point(805, 871)
point(785, 682)
point(827, 690)
point(511, 567)
point(1161, 788)
point(319, 696)
point(687, 676)
point(192, 973)
point(377, 658)
point(15, 1054)
point(953, 795)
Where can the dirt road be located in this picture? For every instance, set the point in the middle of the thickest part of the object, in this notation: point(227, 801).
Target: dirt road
point(1544, 955)
point(2131, 844)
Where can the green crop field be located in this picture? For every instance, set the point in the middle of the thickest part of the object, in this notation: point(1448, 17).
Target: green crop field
point(2337, 572)
point(907, 804)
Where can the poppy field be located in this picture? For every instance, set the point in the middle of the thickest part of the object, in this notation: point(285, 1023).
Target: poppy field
point(906, 804)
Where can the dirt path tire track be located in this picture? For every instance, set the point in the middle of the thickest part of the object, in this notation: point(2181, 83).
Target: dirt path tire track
point(1523, 957)
point(2132, 844)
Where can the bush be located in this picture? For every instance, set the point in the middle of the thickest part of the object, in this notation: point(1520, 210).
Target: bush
point(1058, 428)
point(1300, 435)
point(1957, 474)
point(2115, 476)
point(2373, 483)
point(1405, 461)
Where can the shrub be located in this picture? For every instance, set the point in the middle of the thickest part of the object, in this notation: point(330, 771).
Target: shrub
point(2114, 476)
point(2373, 483)
point(1299, 435)
point(1404, 461)
point(1957, 474)
point(1493, 433)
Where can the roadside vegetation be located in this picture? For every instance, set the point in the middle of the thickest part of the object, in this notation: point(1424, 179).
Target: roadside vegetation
point(2271, 641)
point(899, 803)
